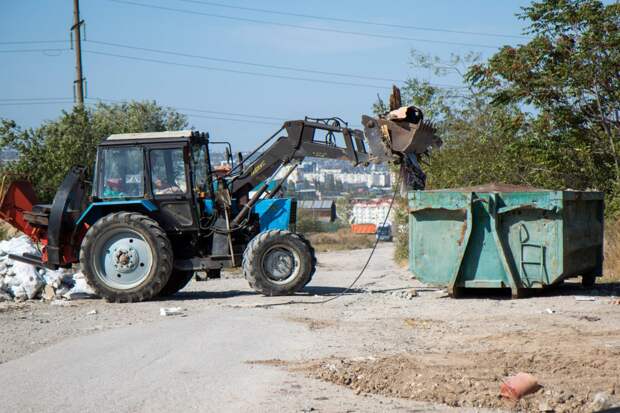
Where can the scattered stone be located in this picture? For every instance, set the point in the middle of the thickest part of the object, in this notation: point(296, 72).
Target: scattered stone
point(407, 295)
point(5, 296)
point(544, 406)
point(589, 318)
point(61, 303)
point(23, 281)
point(602, 401)
point(48, 293)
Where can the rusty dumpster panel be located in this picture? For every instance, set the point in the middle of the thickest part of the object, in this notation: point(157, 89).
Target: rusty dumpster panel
point(527, 238)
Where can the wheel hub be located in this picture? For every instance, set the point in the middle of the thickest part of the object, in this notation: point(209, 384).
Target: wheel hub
point(125, 259)
point(279, 264)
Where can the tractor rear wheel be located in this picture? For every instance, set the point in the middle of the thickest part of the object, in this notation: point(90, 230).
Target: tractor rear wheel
point(278, 262)
point(178, 280)
point(126, 257)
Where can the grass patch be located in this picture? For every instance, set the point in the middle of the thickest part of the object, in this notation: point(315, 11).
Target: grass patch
point(341, 240)
point(611, 267)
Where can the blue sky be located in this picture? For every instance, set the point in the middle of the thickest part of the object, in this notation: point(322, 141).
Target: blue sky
point(50, 73)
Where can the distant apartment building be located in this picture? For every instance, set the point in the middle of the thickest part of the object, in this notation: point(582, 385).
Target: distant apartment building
point(370, 180)
point(371, 211)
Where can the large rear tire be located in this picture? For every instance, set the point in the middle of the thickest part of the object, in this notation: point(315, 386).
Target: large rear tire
point(126, 257)
point(278, 262)
point(178, 280)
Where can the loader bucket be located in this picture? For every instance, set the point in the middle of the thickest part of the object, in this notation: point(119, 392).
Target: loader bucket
point(408, 138)
point(401, 136)
point(18, 198)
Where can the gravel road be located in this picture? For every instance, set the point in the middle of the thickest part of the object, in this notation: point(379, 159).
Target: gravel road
point(374, 349)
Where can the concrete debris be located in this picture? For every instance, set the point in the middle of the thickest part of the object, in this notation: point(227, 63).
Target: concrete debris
point(5, 296)
point(584, 298)
point(550, 311)
point(48, 293)
point(61, 303)
point(20, 281)
point(92, 312)
point(603, 401)
point(405, 294)
point(170, 311)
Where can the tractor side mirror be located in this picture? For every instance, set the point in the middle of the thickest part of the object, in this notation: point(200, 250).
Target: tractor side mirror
point(240, 160)
point(228, 155)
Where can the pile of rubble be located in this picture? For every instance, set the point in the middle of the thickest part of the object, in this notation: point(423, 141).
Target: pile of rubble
point(20, 281)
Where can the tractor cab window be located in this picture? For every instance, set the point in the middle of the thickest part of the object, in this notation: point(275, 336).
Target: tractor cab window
point(122, 173)
point(168, 171)
point(199, 168)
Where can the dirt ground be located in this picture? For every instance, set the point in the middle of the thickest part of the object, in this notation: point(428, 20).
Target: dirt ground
point(382, 343)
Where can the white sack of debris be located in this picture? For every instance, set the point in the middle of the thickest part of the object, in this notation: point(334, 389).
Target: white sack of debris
point(21, 281)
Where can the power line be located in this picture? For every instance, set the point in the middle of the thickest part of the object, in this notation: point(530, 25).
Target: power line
point(296, 26)
point(217, 69)
point(31, 99)
point(63, 101)
point(230, 114)
point(33, 41)
point(199, 110)
point(210, 111)
point(355, 21)
point(33, 50)
point(37, 103)
point(260, 122)
point(244, 72)
point(242, 62)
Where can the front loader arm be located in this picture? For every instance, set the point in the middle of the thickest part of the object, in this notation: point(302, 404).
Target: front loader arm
point(299, 141)
point(399, 137)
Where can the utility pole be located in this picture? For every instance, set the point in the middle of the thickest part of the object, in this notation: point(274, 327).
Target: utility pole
point(78, 84)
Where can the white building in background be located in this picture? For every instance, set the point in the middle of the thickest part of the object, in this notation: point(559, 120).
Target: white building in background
point(371, 211)
point(379, 180)
point(371, 179)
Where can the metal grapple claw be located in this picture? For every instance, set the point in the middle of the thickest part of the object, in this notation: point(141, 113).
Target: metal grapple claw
point(402, 136)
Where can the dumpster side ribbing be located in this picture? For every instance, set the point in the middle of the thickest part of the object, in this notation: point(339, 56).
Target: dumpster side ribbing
point(520, 240)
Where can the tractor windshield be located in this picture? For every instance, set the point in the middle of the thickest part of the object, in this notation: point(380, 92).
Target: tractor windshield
point(121, 173)
point(168, 171)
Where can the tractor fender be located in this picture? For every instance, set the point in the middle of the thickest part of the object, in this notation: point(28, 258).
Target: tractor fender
point(98, 210)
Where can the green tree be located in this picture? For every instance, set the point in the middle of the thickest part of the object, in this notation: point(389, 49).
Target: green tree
point(569, 75)
point(47, 152)
point(481, 139)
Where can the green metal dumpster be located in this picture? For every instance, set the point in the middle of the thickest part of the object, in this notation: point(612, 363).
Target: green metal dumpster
point(505, 236)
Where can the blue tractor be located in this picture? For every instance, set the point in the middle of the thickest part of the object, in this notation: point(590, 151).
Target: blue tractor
point(157, 210)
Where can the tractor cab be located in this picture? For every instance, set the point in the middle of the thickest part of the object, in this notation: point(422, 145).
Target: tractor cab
point(163, 172)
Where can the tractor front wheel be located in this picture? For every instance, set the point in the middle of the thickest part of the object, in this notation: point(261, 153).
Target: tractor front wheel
point(278, 262)
point(126, 257)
